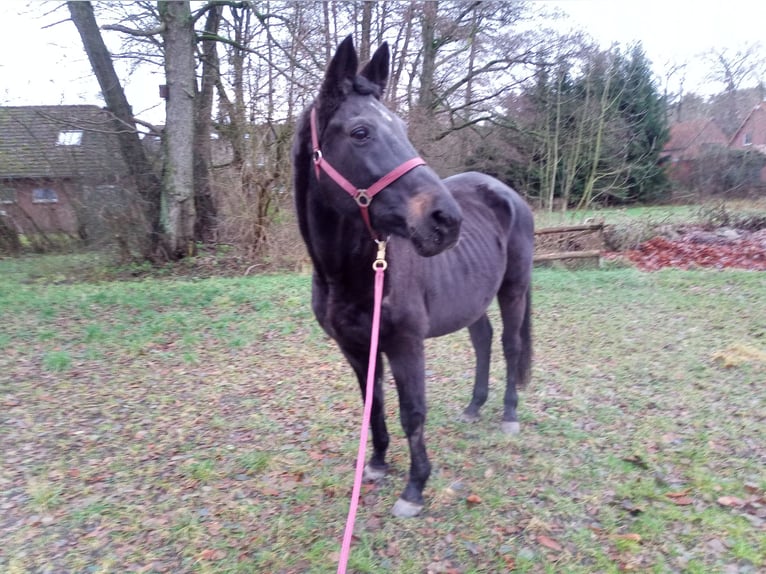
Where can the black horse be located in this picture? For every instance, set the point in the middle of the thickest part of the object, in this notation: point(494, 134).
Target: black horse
point(454, 245)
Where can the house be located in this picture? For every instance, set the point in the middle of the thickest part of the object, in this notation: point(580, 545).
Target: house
point(751, 135)
point(688, 142)
point(48, 156)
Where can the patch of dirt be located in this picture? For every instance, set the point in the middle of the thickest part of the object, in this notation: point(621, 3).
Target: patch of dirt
point(694, 247)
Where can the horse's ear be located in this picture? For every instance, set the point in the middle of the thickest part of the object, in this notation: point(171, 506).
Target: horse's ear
point(341, 72)
point(376, 69)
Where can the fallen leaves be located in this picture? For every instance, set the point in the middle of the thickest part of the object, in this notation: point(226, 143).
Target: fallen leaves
point(696, 248)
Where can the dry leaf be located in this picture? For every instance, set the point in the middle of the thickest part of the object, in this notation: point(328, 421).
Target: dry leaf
point(212, 554)
point(679, 494)
point(630, 536)
point(473, 499)
point(730, 501)
point(549, 543)
point(636, 460)
point(682, 501)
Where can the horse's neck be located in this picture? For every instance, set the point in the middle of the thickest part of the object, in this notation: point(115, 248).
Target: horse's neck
point(340, 247)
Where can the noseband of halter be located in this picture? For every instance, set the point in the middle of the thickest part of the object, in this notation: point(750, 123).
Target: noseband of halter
point(363, 197)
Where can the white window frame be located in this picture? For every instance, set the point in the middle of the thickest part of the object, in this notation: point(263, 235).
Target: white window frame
point(70, 138)
point(52, 193)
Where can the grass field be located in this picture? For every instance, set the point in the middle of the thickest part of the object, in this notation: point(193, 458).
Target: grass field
point(209, 426)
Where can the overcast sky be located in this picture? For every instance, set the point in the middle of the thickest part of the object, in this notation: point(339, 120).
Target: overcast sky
point(46, 65)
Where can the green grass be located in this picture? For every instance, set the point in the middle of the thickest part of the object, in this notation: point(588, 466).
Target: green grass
point(620, 215)
point(209, 426)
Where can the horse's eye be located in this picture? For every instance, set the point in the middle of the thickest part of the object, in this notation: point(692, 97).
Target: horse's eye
point(360, 133)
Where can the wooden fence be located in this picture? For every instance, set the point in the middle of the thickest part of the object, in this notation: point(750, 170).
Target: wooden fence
point(568, 235)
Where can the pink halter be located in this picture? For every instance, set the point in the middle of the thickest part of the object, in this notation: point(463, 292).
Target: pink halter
point(363, 197)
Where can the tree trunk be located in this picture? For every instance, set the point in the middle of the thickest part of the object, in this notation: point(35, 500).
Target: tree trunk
point(178, 37)
point(147, 183)
point(426, 99)
point(203, 197)
point(364, 47)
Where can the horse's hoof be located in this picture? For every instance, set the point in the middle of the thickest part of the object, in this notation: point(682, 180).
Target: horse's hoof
point(467, 417)
point(510, 427)
point(372, 473)
point(405, 509)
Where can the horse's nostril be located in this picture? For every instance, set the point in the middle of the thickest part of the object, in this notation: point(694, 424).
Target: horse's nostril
point(441, 218)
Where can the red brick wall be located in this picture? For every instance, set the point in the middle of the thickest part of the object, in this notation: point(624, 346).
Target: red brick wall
point(31, 217)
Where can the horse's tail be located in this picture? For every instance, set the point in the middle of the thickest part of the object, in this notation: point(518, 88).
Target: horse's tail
point(524, 363)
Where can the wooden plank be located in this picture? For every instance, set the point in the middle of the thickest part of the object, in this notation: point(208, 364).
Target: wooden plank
point(570, 228)
point(592, 253)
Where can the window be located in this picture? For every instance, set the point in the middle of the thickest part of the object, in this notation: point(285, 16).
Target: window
point(7, 195)
point(747, 139)
point(70, 137)
point(44, 195)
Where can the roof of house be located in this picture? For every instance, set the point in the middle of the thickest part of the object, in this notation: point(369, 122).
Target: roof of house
point(684, 135)
point(58, 142)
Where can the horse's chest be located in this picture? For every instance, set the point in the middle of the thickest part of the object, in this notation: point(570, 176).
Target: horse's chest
point(345, 318)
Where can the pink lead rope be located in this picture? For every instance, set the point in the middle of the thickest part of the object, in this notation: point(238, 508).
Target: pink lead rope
point(363, 197)
point(379, 266)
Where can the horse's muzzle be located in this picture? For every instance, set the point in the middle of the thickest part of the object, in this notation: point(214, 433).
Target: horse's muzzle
point(437, 229)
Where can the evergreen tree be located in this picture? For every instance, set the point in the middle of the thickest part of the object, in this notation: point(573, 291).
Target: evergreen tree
point(642, 108)
point(588, 128)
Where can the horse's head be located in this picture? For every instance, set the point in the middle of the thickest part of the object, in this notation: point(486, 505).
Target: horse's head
point(364, 142)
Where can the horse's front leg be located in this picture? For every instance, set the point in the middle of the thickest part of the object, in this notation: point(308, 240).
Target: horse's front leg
point(376, 467)
point(407, 362)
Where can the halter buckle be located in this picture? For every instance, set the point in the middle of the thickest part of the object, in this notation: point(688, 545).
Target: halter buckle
point(380, 263)
point(317, 155)
point(361, 198)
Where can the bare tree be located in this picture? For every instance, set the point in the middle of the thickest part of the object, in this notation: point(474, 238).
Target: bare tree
point(147, 182)
point(733, 69)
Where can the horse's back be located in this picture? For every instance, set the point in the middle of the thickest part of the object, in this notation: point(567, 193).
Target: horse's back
point(496, 242)
point(472, 189)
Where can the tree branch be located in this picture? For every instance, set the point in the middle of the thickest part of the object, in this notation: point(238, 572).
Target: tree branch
point(132, 31)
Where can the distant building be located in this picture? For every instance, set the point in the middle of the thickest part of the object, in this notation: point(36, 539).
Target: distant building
point(687, 143)
point(751, 135)
point(48, 156)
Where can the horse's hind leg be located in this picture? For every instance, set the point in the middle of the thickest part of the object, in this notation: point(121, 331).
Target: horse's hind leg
point(376, 467)
point(515, 309)
point(481, 338)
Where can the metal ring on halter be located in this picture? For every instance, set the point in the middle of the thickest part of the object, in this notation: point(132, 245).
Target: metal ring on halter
point(380, 264)
point(317, 155)
point(361, 197)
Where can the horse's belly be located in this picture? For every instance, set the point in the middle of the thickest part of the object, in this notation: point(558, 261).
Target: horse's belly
point(458, 306)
